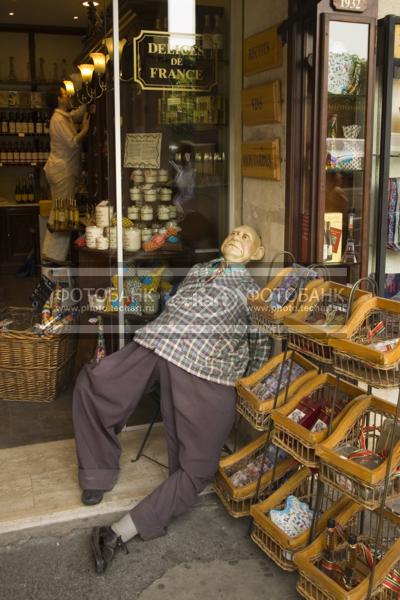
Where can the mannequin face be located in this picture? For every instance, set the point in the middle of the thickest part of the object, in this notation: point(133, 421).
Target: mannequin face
point(242, 245)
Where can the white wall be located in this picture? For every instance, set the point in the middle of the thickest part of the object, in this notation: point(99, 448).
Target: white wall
point(264, 200)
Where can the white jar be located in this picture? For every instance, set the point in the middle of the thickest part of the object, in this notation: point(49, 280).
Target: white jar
point(133, 213)
point(132, 239)
point(102, 243)
point(163, 213)
point(147, 234)
point(104, 214)
point(150, 195)
point(151, 175)
point(91, 234)
point(163, 176)
point(165, 194)
point(150, 303)
point(137, 176)
point(146, 213)
point(135, 193)
point(172, 212)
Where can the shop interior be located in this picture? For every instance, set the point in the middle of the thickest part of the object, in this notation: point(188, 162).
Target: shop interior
point(187, 187)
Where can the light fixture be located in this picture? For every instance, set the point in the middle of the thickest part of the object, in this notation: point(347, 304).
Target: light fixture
point(182, 23)
point(88, 3)
point(86, 72)
point(11, 14)
point(69, 86)
point(110, 46)
point(99, 61)
point(76, 80)
point(76, 17)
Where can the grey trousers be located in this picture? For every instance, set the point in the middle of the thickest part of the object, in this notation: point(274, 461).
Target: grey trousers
point(198, 416)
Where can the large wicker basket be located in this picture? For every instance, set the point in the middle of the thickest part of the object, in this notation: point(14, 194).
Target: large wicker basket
point(271, 539)
point(238, 499)
point(296, 439)
point(362, 421)
point(313, 339)
point(352, 355)
point(33, 368)
point(256, 410)
point(314, 584)
point(269, 319)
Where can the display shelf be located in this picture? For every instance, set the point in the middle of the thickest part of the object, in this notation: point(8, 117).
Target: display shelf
point(28, 164)
point(22, 135)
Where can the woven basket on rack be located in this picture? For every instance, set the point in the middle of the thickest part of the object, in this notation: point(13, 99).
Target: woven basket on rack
point(238, 499)
point(272, 540)
point(361, 427)
point(315, 584)
point(257, 410)
point(312, 338)
point(271, 319)
point(33, 368)
point(298, 441)
point(354, 356)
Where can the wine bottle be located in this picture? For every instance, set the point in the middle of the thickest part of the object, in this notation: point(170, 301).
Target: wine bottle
point(10, 155)
point(3, 153)
point(31, 194)
point(39, 124)
point(349, 255)
point(17, 123)
point(28, 154)
point(24, 123)
point(76, 216)
point(11, 124)
point(16, 154)
point(62, 215)
point(46, 124)
point(17, 194)
point(217, 35)
point(351, 561)
point(24, 194)
point(4, 123)
point(207, 35)
point(23, 156)
point(31, 124)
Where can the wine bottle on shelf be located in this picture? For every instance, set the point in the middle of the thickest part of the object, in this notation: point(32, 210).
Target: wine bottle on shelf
point(330, 542)
point(4, 123)
point(62, 215)
point(207, 42)
point(31, 192)
point(11, 124)
point(16, 154)
point(3, 153)
point(31, 124)
point(10, 155)
point(24, 193)
point(35, 153)
point(46, 124)
point(24, 124)
point(17, 123)
point(76, 216)
point(217, 35)
point(39, 124)
point(17, 195)
point(23, 154)
point(28, 154)
point(351, 562)
point(349, 255)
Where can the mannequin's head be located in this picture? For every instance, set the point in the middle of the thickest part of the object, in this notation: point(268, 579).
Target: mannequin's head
point(242, 245)
point(58, 98)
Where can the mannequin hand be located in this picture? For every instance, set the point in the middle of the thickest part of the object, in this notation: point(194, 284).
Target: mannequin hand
point(85, 122)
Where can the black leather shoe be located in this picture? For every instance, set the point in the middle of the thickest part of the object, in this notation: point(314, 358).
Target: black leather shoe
point(92, 497)
point(105, 543)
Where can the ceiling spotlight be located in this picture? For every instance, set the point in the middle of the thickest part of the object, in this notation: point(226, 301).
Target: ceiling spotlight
point(76, 18)
point(87, 3)
point(11, 14)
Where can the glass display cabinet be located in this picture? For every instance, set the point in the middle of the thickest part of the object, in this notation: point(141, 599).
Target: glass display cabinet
point(387, 261)
point(330, 115)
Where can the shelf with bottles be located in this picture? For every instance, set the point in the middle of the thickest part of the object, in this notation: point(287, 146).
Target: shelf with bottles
point(27, 192)
point(335, 251)
point(24, 152)
point(22, 123)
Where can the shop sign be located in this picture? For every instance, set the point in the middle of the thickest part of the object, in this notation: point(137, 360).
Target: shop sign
point(262, 51)
point(261, 159)
point(397, 41)
point(143, 150)
point(351, 5)
point(159, 65)
point(262, 104)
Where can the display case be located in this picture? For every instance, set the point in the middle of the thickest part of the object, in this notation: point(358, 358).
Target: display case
point(387, 262)
point(329, 156)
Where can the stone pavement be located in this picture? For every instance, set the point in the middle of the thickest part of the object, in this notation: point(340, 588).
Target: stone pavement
point(206, 555)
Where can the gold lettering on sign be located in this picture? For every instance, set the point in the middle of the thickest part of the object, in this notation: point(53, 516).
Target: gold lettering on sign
point(262, 104)
point(261, 159)
point(262, 51)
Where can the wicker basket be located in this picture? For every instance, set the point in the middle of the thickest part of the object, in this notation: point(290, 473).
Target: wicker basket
point(313, 339)
point(356, 481)
point(314, 584)
point(33, 368)
point(353, 357)
point(271, 539)
point(296, 439)
point(238, 500)
point(269, 319)
point(257, 411)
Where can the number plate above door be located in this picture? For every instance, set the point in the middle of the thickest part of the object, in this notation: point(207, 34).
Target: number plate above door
point(352, 5)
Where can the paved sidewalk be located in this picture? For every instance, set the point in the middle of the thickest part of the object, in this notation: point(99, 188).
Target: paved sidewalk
point(206, 555)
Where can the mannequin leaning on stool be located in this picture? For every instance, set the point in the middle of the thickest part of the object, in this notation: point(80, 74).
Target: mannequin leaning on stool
point(196, 349)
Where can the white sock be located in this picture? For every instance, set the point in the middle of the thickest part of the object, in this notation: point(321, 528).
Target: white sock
point(125, 528)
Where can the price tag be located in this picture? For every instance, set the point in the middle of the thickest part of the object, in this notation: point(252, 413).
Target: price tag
point(351, 5)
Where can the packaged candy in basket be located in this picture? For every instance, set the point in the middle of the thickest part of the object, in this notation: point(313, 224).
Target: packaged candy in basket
point(314, 411)
point(332, 312)
point(250, 472)
point(286, 291)
point(268, 387)
point(294, 518)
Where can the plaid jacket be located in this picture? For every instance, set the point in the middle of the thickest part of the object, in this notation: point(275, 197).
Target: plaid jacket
point(205, 328)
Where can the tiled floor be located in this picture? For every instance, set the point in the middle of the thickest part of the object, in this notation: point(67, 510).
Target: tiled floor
point(38, 483)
